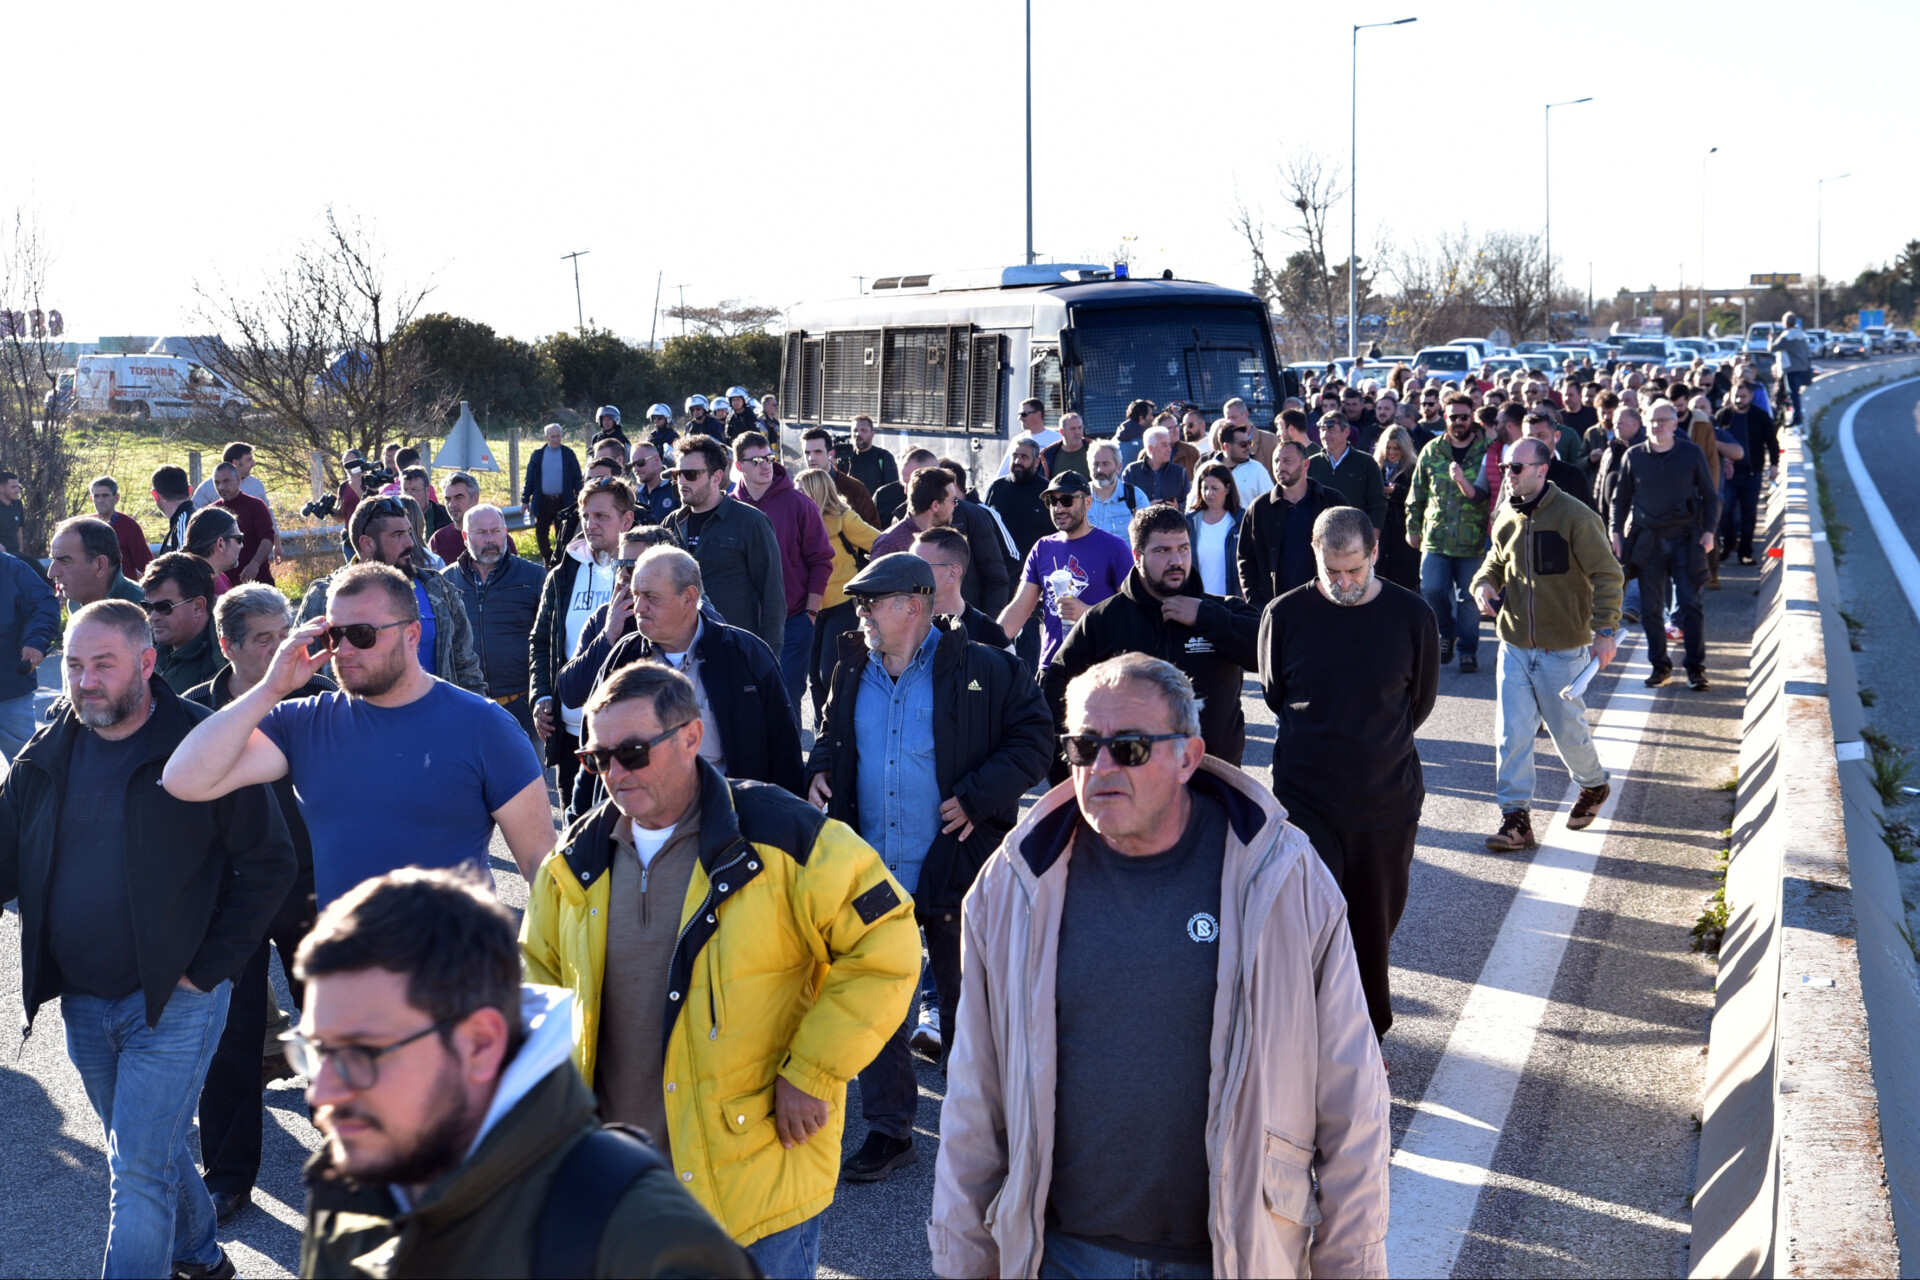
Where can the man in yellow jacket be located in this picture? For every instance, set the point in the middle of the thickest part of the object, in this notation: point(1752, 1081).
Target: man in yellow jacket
point(736, 958)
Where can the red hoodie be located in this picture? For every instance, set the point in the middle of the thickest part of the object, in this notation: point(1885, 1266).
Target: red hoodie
point(806, 557)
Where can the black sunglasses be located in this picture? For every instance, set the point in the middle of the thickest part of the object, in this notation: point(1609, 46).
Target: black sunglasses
point(1059, 499)
point(165, 607)
point(361, 635)
point(391, 507)
point(1129, 750)
point(866, 602)
point(631, 755)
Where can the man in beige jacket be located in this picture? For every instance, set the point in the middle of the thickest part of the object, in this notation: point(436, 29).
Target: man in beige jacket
point(1162, 1039)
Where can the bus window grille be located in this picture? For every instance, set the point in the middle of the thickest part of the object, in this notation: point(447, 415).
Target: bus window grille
point(790, 375)
point(915, 384)
point(851, 375)
point(985, 412)
point(959, 350)
point(810, 379)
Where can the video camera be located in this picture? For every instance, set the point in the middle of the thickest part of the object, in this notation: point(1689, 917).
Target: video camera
point(321, 507)
point(373, 475)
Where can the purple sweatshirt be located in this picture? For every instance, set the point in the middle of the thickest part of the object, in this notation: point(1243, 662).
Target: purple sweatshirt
point(806, 557)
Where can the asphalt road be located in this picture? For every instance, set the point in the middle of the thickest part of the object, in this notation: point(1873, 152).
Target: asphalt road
point(1592, 1169)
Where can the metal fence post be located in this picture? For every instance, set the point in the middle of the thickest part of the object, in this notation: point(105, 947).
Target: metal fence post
point(193, 468)
point(318, 474)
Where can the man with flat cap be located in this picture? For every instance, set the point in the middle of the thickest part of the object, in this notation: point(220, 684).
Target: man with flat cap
point(929, 742)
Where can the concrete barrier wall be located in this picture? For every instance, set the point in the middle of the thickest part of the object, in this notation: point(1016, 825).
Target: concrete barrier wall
point(1792, 1176)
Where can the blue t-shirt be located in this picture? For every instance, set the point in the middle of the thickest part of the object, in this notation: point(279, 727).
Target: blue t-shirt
point(389, 787)
point(429, 639)
point(1098, 563)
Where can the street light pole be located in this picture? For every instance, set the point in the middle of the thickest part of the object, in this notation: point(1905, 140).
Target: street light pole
point(1703, 240)
point(1353, 188)
point(1029, 132)
point(1819, 232)
point(1547, 142)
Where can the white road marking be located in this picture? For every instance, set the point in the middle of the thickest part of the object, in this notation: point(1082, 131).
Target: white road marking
point(1442, 1163)
point(1893, 543)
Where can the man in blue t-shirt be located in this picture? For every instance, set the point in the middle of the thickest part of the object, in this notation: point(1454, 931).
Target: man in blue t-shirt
point(399, 769)
point(1071, 570)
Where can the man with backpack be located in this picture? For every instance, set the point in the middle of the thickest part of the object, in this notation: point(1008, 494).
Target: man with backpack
point(459, 1138)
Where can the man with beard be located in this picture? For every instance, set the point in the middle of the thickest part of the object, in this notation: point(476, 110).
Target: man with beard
point(440, 765)
point(1350, 665)
point(501, 592)
point(1276, 535)
point(1067, 572)
point(458, 1136)
point(870, 464)
point(739, 555)
point(137, 910)
point(816, 445)
point(1016, 499)
point(381, 532)
point(1447, 522)
point(1162, 612)
point(1556, 587)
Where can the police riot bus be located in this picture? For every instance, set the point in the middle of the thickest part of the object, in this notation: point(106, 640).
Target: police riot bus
point(944, 360)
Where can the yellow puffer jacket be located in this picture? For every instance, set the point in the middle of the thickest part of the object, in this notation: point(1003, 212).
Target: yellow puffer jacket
point(856, 533)
point(798, 956)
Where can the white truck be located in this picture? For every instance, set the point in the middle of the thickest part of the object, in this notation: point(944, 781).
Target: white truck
point(145, 386)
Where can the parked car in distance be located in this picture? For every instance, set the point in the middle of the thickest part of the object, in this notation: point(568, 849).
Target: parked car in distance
point(1849, 346)
point(1759, 335)
point(1876, 336)
point(1449, 364)
point(1505, 364)
point(1900, 339)
point(1652, 350)
point(1482, 347)
point(1528, 348)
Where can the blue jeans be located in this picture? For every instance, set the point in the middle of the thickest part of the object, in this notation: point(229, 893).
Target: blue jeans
point(794, 652)
point(1739, 510)
point(1075, 1259)
point(1796, 383)
point(143, 1083)
point(793, 1254)
point(16, 724)
point(1529, 692)
point(1444, 581)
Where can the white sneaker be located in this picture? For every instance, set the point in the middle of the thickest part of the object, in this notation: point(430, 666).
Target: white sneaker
point(926, 1036)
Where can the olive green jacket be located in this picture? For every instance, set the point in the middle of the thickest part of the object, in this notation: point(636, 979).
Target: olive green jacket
point(1556, 572)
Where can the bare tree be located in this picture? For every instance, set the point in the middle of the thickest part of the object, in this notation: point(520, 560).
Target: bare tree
point(1436, 288)
point(1305, 287)
point(1511, 279)
point(34, 441)
point(726, 318)
point(315, 347)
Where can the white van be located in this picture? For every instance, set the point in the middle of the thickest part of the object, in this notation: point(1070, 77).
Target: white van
point(148, 386)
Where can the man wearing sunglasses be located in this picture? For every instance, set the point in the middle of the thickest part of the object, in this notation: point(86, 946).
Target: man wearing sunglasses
point(1067, 572)
point(806, 557)
point(929, 742)
point(180, 594)
point(136, 910)
point(750, 731)
point(1123, 911)
point(441, 765)
point(717, 930)
point(1447, 513)
point(457, 1135)
point(739, 556)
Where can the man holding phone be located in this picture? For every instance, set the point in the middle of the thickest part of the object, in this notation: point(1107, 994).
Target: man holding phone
point(437, 765)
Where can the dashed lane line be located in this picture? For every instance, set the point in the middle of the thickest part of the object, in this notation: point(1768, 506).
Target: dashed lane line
point(1442, 1164)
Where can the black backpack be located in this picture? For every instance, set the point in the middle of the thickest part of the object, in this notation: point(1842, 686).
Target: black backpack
point(593, 1178)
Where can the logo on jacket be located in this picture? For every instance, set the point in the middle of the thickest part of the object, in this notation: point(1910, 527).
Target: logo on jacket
point(1203, 927)
point(973, 686)
point(1199, 644)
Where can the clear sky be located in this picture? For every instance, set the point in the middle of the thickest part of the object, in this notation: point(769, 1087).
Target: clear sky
point(775, 151)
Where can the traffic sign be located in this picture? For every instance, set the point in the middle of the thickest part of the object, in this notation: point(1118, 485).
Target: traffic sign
point(1774, 277)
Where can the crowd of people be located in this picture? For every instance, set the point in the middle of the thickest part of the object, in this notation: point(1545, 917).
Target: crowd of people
point(746, 907)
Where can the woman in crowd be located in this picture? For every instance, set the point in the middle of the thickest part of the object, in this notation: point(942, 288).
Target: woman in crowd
point(1399, 563)
point(852, 540)
point(1213, 524)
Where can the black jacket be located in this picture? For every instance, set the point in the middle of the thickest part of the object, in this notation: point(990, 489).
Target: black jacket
point(1216, 653)
point(872, 467)
point(570, 476)
point(1021, 510)
point(1268, 566)
point(992, 739)
point(1760, 438)
point(203, 878)
point(502, 611)
point(988, 583)
point(758, 730)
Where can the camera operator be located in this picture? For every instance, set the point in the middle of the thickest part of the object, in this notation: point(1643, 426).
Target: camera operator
point(381, 532)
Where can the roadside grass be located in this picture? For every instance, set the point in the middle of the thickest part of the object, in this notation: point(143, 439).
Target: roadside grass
point(1710, 930)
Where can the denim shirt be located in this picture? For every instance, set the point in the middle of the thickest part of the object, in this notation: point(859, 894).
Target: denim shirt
point(899, 795)
point(1113, 514)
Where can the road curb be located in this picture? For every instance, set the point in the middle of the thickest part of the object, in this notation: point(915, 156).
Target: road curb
point(1791, 1178)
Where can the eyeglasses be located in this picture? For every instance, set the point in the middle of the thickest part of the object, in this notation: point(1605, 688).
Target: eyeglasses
point(1030, 413)
point(1129, 750)
point(361, 635)
point(355, 1065)
point(631, 755)
point(1515, 468)
point(1459, 417)
point(1060, 499)
point(391, 507)
point(865, 603)
point(689, 473)
point(757, 459)
point(231, 537)
point(165, 607)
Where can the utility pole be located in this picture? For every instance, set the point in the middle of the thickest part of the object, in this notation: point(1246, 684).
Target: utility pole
point(1547, 169)
point(1029, 132)
point(579, 311)
point(860, 282)
point(655, 331)
point(1819, 232)
point(1353, 189)
point(1703, 239)
point(683, 309)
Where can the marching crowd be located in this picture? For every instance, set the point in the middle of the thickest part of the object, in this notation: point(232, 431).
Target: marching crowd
point(746, 906)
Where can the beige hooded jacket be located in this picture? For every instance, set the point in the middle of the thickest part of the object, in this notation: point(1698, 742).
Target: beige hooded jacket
point(1296, 1090)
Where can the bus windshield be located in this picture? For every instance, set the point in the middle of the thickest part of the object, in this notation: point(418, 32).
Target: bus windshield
point(1202, 355)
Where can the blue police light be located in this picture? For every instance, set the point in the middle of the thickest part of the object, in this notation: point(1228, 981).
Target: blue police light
point(1119, 271)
